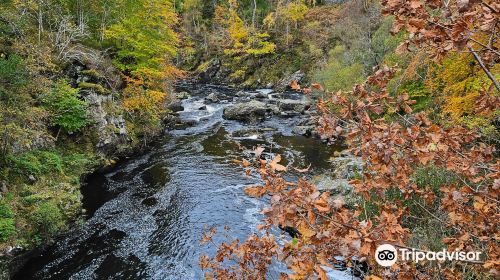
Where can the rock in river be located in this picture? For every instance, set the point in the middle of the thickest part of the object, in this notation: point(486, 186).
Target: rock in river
point(251, 112)
point(212, 98)
point(176, 106)
point(297, 106)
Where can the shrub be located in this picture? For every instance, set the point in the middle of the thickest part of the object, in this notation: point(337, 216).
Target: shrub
point(47, 219)
point(12, 76)
point(36, 163)
point(338, 74)
point(68, 112)
point(7, 228)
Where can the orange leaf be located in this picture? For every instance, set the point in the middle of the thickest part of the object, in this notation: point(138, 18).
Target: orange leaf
point(303, 170)
point(317, 86)
point(321, 205)
point(275, 165)
point(294, 85)
point(321, 273)
point(257, 191)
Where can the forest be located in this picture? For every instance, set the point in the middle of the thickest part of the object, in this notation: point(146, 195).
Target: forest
point(394, 104)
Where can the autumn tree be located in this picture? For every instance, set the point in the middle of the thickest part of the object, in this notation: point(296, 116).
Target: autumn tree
point(145, 40)
point(395, 202)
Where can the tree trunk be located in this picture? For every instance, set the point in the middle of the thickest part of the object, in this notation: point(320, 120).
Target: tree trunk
point(40, 20)
point(254, 12)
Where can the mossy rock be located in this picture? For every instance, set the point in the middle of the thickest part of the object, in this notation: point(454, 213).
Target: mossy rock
point(97, 88)
point(92, 74)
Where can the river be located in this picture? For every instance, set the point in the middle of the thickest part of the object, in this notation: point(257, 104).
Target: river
point(145, 217)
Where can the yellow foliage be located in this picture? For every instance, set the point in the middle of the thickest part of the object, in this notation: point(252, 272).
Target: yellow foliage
point(295, 11)
point(139, 100)
point(245, 40)
point(459, 81)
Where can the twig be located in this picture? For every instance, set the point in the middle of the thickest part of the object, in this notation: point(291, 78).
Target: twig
point(480, 61)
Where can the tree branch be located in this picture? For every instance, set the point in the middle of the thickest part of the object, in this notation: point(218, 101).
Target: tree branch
point(480, 61)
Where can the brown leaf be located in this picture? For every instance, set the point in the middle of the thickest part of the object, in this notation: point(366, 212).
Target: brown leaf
point(317, 86)
point(258, 152)
point(245, 163)
point(321, 273)
point(257, 191)
point(275, 165)
point(303, 170)
point(294, 85)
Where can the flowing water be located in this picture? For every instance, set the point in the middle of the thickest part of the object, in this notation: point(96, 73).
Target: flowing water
point(146, 217)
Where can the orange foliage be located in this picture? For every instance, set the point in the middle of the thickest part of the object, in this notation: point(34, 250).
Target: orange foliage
point(140, 100)
point(392, 152)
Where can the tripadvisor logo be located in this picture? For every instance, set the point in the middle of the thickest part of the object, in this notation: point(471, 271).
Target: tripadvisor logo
point(386, 255)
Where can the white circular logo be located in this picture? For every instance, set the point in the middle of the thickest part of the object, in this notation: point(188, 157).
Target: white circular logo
point(386, 255)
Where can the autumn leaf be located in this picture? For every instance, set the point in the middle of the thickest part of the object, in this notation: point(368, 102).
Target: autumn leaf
point(258, 152)
point(321, 273)
point(275, 166)
point(321, 205)
point(317, 87)
point(294, 85)
point(372, 277)
point(257, 191)
point(304, 170)
point(245, 163)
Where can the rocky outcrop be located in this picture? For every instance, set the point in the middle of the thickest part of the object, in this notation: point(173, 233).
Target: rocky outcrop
point(346, 166)
point(207, 72)
point(108, 122)
point(250, 112)
point(284, 83)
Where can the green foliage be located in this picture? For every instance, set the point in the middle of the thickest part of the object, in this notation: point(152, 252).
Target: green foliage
point(36, 163)
point(338, 74)
point(47, 219)
point(7, 228)
point(67, 110)
point(12, 77)
point(245, 40)
point(145, 39)
point(418, 92)
point(433, 178)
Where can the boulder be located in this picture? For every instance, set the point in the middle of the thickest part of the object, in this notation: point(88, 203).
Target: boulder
point(346, 166)
point(175, 106)
point(212, 98)
point(250, 112)
point(181, 95)
point(304, 130)
point(208, 70)
point(297, 106)
point(335, 186)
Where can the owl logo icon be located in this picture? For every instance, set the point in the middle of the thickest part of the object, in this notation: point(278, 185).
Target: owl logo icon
point(386, 255)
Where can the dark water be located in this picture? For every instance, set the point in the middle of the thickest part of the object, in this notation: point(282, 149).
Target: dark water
point(147, 216)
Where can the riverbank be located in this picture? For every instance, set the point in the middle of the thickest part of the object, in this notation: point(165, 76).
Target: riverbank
point(77, 177)
point(161, 200)
point(88, 196)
